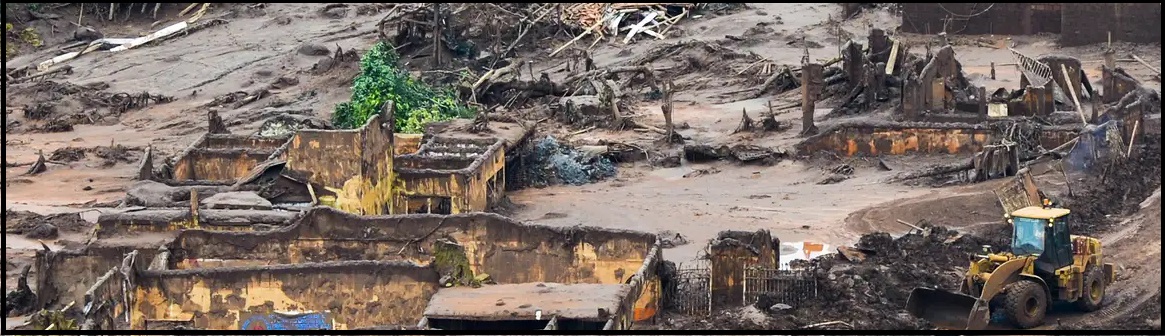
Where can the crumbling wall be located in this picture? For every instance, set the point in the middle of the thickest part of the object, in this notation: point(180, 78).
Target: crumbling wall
point(348, 294)
point(354, 165)
point(223, 157)
point(1073, 81)
point(170, 220)
point(730, 254)
point(463, 170)
point(105, 301)
point(1116, 84)
point(1131, 111)
point(507, 250)
point(406, 143)
point(225, 141)
point(849, 139)
point(1087, 23)
point(65, 276)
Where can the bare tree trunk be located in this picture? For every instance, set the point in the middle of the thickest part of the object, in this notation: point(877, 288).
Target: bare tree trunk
point(670, 129)
point(436, 34)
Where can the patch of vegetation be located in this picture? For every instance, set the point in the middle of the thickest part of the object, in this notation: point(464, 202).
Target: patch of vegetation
point(27, 35)
point(381, 79)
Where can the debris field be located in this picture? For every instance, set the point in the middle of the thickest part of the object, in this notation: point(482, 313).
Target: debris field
point(564, 166)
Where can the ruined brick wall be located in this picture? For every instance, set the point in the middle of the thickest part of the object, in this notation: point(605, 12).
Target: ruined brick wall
point(65, 276)
point(223, 157)
point(730, 254)
point(327, 157)
point(349, 294)
point(406, 143)
point(354, 165)
point(172, 220)
point(223, 141)
point(1087, 23)
point(491, 167)
point(850, 139)
point(217, 164)
point(105, 301)
point(509, 251)
point(108, 301)
point(414, 185)
point(441, 169)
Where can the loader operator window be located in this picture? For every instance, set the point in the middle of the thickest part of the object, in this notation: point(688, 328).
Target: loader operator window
point(1029, 236)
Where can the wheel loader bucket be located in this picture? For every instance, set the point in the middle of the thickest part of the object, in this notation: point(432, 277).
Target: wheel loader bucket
point(947, 310)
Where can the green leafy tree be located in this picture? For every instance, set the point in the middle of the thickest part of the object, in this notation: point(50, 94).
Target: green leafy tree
point(382, 80)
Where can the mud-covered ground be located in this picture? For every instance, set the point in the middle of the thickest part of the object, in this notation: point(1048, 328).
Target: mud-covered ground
point(94, 122)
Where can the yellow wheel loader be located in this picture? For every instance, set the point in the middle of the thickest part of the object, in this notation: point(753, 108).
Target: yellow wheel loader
point(1044, 265)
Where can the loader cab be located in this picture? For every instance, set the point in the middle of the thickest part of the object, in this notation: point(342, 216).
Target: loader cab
point(1043, 233)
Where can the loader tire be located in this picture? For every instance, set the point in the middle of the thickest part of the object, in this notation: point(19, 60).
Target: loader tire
point(1092, 292)
point(1026, 304)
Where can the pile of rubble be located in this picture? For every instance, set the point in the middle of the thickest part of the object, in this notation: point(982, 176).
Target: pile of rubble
point(1113, 189)
point(551, 163)
point(869, 289)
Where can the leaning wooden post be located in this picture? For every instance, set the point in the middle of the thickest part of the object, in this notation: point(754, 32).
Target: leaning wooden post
point(811, 81)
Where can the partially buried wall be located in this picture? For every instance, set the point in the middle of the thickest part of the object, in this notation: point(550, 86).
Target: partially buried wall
point(223, 157)
point(730, 254)
point(466, 173)
point(170, 220)
point(332, 295)
point(355, 166)
point(850, 139)
point(65, 276)
point(511, 252)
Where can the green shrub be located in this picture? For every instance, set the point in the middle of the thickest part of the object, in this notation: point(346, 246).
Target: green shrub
point(415, 102)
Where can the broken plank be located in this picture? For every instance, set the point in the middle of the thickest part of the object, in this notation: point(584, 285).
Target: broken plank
point(1146, 64)
point(893, 59)
point(639, 26)
point(576, 38)
point(1072, 90)
point(177, 27)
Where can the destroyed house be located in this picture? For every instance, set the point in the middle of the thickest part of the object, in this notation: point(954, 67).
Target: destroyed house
point(336, 270)
point(351, 169)
point(222, 159)
point(451, 175)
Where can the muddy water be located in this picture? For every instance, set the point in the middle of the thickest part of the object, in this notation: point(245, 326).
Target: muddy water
point(784, 199)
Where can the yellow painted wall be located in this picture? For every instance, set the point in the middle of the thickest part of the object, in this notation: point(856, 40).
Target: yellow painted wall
point(363, 295)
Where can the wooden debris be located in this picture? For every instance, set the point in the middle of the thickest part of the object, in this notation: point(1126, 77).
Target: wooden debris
point(38, 166)
point(215, 123)
point(670, 135)
point(146, 166)
point(1072, 91)
point(1146, 64)
point(908, 224)
point(851, 254)
point(745, 122)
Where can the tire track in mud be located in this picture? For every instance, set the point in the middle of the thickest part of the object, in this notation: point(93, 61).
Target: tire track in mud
point(1138, 245)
